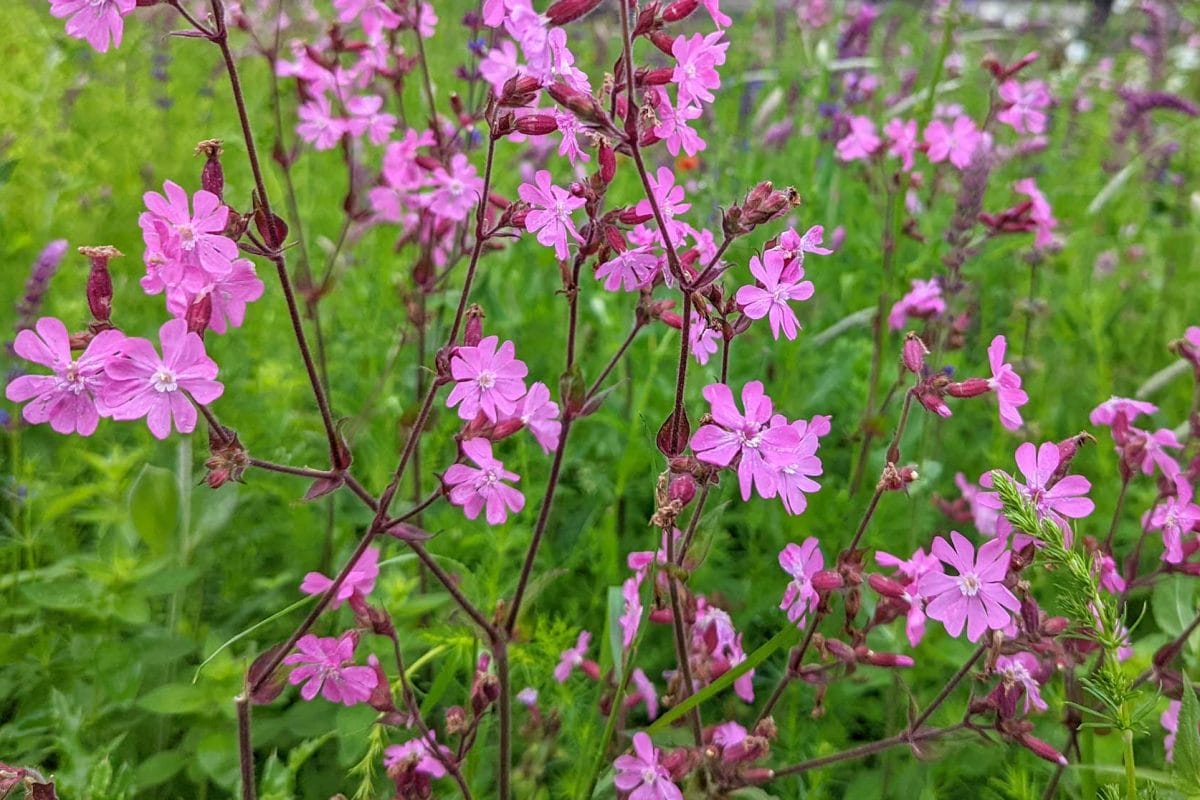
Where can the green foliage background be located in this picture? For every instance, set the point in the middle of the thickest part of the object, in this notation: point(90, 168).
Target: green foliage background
point(119, 574)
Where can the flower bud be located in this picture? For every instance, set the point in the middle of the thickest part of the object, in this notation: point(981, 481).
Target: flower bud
point(894, 660)
point(681, 490)
point(381, 696)
point(630, 216)
point(1041, 749)
point(519, 91)
point(456, 721)
point(581, 104)
point(841, 651)
point(537, 124)
point(565, 11)
point(473, 331)
point(886, 586)
point(913, 353)
point(608, 162)
point(663, 41)
point(199, 313)
point(827, 580)
point(680, 9)
point(212, 175)
point(99, 282)
point(654, 77)
point(971, 387)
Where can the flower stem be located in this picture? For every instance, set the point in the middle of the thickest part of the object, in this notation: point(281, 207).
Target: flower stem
point(947, 689)
point(862, 751)
point(245, 747)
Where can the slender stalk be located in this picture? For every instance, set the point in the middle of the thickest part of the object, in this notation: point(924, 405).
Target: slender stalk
point(539, 528)
point(303, 472)
point(1131, 791)
point(693, 523)
point(685, 669)
point(1112, 526)
point(612, 362)
point(245, 747)
point(786, 678)
point(947, 689)
point(862, 751)
point(504, 780)
point(448, 582)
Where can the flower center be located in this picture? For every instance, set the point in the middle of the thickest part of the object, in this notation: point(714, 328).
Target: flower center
point(968, 584)
point(74, 381)
point(455, 187)
point(164, 381)
point(486, 379)
point(749, 440)
point(187, 235)
point(649, 775)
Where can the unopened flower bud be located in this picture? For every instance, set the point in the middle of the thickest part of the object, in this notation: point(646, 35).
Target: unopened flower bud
point(381, 696)
point(680, 9)
point(913, 354)
point(565, 11)
point(1041, 749)
point(1067, 450)
point(886, 586)
point(892, 660)
point(484, 693)
point(841, 651)
point(682, 490)
point(537, 124)
point(663, 41)
point(519, 91)
point(581, 104)
point(456, 721)
point(99, 282)
point(473, 331)
point(199, 313)
point(654, 77)
point(827, 580)
point(608, 163)
point(1055, 625)
point(971, 387)
point(212, 175)
point(630, 216)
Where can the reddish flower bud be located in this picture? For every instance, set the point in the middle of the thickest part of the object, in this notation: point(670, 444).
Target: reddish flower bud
point(199, 313)
point(537, 124)
point(892, 660)
point(1055, 626)
point(608, 162)
point(663, 42)
point(682, 490)
point(680, 9)
point(99, 282)
point(1067, 450)
point(1041, 749)
point(654, 77)
point(886, 586)
point(519, 91)
point(565, 11)
point(630, 216)
point(841, 651)
point(381, 696)
point(456, 721)
point(827, 580)
point(579, 103)
point(473, 331)
point(913, 353)
point(971, 387)
point(212, 175)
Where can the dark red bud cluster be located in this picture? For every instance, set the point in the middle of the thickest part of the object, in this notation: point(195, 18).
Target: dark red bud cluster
point(228, 459)
point(519, 91)
point(762, 204)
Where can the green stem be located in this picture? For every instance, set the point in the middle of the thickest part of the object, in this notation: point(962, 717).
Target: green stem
point(1130, 771)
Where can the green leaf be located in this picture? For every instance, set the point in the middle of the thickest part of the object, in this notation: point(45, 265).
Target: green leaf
point(1174, 603)
point(1187, 744)
point(612, 628)
point(785, 638)
point(174, 698)
point(154, 507)
point(159, 768)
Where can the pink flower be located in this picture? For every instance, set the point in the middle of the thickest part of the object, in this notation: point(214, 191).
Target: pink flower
point(550, 213)
point(1006, 383)
point(230, 293)
point(360, 581)
point(191, 246)
point(1176, 518)
point(416, 761)
point(1110, 577)
point(957, 141)
point(912, 571)
point(1024, 104)
point(975, 596)
point(1016, 675)
point(539, 414)
point(697, 59)
point(474, 489)
point(572, 657)
point(703, 339)
point(318, 124)
point(373, 15)
point(1114, 408)
point(642, 776)
point(367, 116)
point(860, 142)
point(793, 246)
point(141, 384)
point(1149, 450)
point(487, 380)
point(802, 562)
point(629, 270)
point(98, 22)
point(456, 190)
point(500, 64)
point(1040, 213)
point(762, 441)
point(721, 20)
point(798, 466)
point(646, 692)
point(771, 300)
point(673, 126)
point(631, 618)
point(71, 399)
point(1170, 722)
point(1063, 499)
point(569, 128)
point(325, 667)
point(923, 301)
point(902, 140)
point(668, 195)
